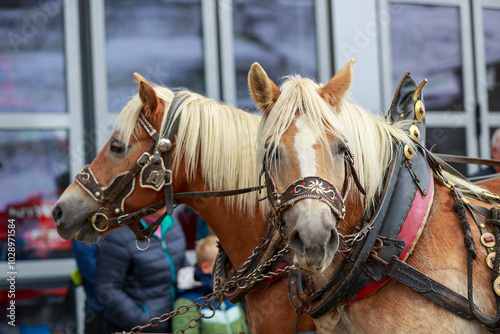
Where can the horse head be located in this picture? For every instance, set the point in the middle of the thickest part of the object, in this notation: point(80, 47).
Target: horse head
point(106, 189)
point(307, 161)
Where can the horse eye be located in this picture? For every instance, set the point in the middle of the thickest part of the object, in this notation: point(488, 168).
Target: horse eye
point(117, 147)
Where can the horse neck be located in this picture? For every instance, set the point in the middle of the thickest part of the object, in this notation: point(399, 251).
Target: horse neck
point(238, 232)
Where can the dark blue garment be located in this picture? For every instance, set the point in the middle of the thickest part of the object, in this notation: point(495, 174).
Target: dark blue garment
point(85, 256)
point(135, 286)
point(201, 229)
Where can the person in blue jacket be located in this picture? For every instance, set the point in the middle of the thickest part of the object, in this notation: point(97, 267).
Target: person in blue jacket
point(85, 256)
point(134, 286)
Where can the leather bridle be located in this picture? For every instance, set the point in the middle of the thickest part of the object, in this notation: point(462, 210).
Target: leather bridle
point(154, 170)
point(310, 187)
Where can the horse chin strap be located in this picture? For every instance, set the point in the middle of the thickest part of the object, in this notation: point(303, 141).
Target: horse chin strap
point(312, 187)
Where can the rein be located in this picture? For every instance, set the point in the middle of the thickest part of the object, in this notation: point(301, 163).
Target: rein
point(154, 170)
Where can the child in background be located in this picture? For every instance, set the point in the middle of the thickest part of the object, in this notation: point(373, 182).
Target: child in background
point(229, 318)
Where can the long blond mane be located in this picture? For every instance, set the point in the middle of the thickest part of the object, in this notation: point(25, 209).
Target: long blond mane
point(216, 139)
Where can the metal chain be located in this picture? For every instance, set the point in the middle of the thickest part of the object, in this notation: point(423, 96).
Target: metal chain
point(183, 309)
point(231, 287)
point(254, 254)
point(347, 241)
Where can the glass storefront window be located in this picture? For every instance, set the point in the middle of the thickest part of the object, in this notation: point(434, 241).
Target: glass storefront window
point(425, 40)
point(491, 24)
point(278, 34)
point(32, 70)
point(448, 141)
point(160, 39)
point(33, 172)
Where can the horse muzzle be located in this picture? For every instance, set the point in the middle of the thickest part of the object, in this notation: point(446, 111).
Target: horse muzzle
point(72, 216)
point(313, 235)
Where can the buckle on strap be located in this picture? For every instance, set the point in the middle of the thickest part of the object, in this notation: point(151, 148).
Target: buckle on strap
point(143, 159)
point(168, 177)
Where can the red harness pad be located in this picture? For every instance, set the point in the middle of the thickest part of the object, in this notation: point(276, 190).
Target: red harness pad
point(409, 233)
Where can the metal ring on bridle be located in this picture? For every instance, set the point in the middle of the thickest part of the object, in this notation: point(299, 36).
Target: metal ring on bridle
point(93, 220)
point(143, 249)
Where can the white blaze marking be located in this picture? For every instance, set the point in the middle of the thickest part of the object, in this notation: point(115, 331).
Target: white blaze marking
point(304, 141)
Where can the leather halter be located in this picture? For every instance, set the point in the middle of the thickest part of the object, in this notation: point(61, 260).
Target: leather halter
point(311, 187)
point(153, 168)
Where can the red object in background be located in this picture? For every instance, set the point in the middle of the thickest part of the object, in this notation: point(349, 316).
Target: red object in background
point(35, 233)
point(28, 294)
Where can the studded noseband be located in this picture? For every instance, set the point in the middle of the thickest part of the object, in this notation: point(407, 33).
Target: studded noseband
point(311, 187)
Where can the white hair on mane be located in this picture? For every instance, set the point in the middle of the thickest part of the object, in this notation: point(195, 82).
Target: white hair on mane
point(220, 139)
point(371, 138)
point(216, 139)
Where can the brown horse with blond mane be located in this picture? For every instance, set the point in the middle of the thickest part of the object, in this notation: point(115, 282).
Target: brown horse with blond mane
point(312, 142)
point(213, 149)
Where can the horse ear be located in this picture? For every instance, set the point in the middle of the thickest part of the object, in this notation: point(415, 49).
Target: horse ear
point(263, 90)
point(147, 94)
point(338, 86)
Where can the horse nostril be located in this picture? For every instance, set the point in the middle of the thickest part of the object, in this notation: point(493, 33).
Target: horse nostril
point(334, 239)
point(57, 214)
point(296, 242)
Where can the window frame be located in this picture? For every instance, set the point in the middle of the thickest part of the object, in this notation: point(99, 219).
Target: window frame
point(39, 273)
point(448, 119)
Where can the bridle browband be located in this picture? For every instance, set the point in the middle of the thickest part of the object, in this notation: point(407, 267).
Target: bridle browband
point(154, 170)
point(310, 187)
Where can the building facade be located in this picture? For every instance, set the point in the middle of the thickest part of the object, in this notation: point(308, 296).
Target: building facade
point(66, 71)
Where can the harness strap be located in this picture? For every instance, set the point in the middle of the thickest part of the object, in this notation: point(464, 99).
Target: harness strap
point(427, 287)
point(349, 158)
point(169, 133)
point(117, 188)
point(216, 193)
point(468, 160)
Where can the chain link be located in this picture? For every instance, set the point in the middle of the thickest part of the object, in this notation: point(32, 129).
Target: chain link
point(230, 288)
